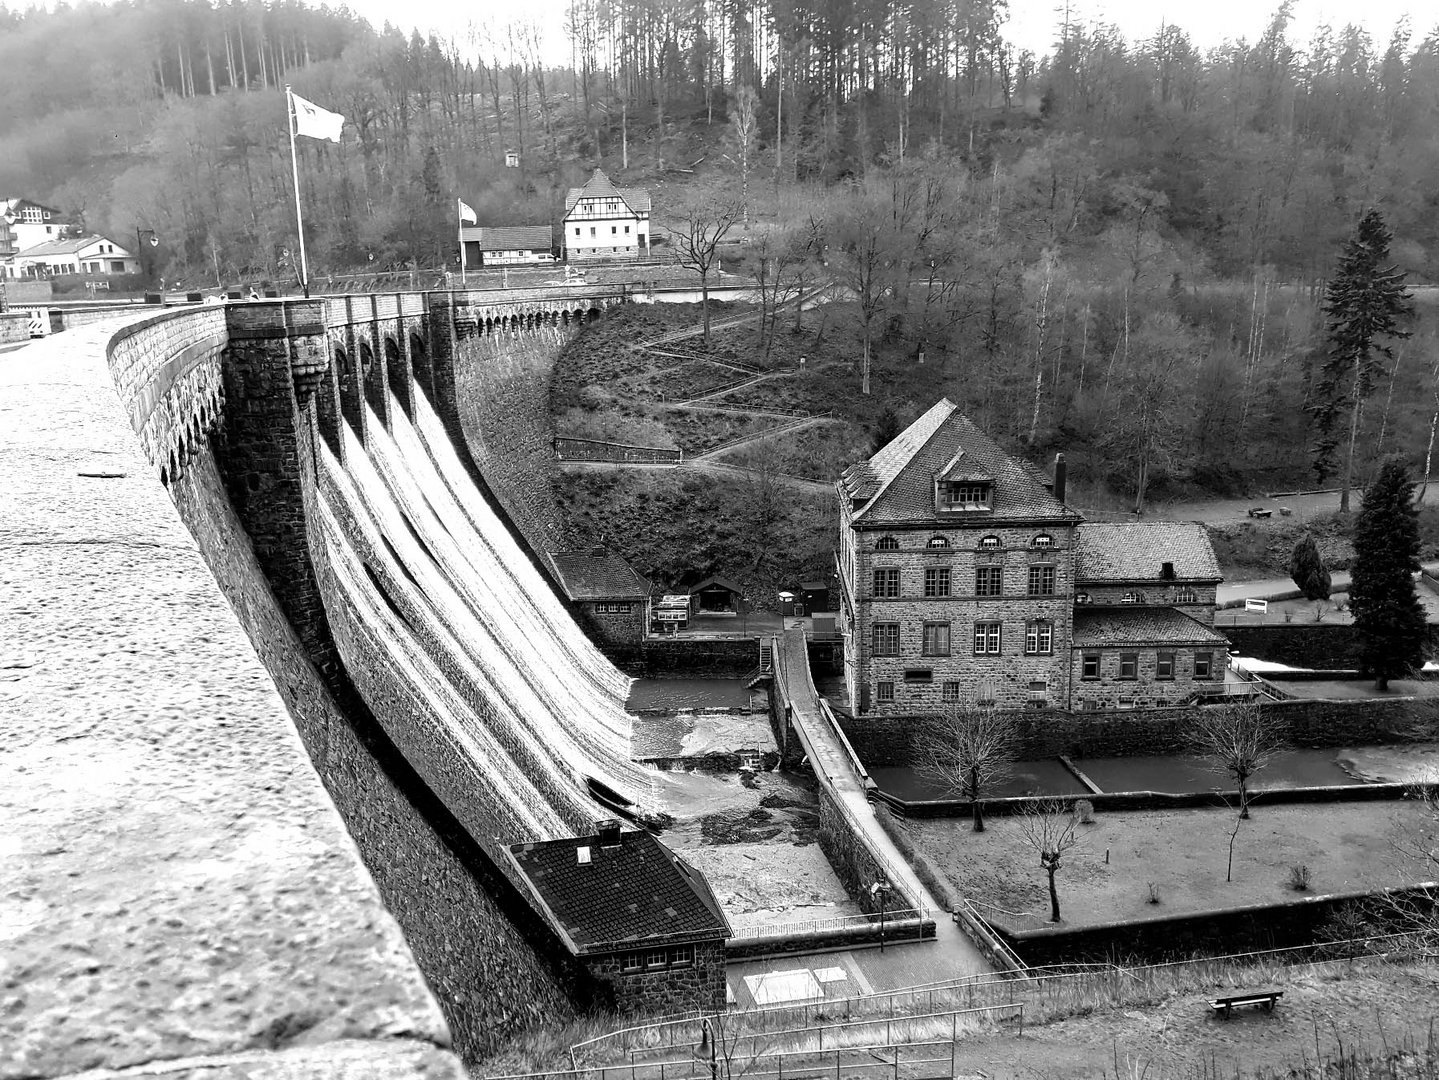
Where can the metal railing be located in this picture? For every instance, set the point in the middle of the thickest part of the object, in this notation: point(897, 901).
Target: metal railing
point(569, 449)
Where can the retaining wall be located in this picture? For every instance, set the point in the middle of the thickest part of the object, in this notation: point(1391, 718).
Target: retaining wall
point(667, 658)
point(1307, 645)
point(882, 741)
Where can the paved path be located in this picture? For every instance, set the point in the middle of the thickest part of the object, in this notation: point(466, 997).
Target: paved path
point(951, 954)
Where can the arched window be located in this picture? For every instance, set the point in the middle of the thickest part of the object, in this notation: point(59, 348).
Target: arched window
point(886, 543)
point(1186, 596)
point(1043, 540)
point(938, 542)
point(989, 543)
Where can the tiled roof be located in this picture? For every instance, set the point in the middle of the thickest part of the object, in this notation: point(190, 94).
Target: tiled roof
point(1141, 626)
point(13, 205)
point(598, 577)
point(897, 484)
point(637, 893)
point(72, 246)
point(599, 185)
point(511, 237)
point(1136, 551)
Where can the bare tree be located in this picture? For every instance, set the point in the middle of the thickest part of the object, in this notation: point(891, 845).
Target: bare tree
point(1239, 739)
point(967, 750)
point(744, 122)
point(1414, 841)
point(1049, 827)
point(706, 217)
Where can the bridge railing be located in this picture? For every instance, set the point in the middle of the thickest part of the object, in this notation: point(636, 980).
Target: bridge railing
point(620, 453)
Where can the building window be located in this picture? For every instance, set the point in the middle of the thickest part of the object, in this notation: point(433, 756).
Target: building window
point(989, 543)
point(1038, 693)
point(1132, 598)
point(937, 542)
point(963, 496)
point(577, 230)
point(949, 692)
point(1164, 666)
point(592, 230)
point(885, 639)
point(655, 958)
point(986, 638)
point(627, 230)
point(1041, 581)
point(1186, 596)
point(986, 693)
point(918, 675)
point(988, 580)
point(682, 956)
point(1089, 666)
point(884, 691)
point(936, 581)
point(886, 543)
point(614, 230)
point(614, 607)
point(886, 582)
point(1129, 665)
point(1043, 540)
point(632, 962)
point(1039, 638)
point(936, 639)
point(1203, 665)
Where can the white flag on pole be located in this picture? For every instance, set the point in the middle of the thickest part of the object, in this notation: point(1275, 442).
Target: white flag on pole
point(467, 213)
point(314, 121)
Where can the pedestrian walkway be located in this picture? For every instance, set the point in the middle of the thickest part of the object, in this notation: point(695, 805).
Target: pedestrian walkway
point(949, 955)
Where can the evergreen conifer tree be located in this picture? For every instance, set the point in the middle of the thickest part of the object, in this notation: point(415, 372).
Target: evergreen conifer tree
point(1308, 570)
point(1387, 612)
point(1363, 306)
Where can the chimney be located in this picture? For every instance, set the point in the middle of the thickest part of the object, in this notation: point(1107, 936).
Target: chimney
point(1058, 488)
point(1166, 571)
point(607, 832)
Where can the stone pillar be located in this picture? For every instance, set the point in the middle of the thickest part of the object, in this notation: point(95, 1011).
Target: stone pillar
point(372, 364)
point(397, 367)
point(275, 357)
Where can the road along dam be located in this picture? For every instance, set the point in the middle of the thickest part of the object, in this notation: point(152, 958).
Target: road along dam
point(185, 881)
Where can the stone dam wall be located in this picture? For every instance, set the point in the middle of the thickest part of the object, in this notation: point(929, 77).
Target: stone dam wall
point(280, 813)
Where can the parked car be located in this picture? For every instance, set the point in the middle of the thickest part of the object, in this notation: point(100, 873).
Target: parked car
point(1258, 512)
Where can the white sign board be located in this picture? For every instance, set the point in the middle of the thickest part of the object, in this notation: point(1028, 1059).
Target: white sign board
point(1256, 605)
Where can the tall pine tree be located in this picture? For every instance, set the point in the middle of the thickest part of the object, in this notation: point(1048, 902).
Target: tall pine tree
point(1363, 306)
point(1387, 612)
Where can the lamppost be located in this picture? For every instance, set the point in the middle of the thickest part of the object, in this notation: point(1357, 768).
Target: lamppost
point(744, 616)
point(880, 893)
point(140, 241)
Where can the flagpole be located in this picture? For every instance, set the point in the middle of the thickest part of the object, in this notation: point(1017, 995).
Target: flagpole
point(295, 171)
point(462, 241)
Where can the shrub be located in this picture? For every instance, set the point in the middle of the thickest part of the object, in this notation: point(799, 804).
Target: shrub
point(1299, 877)
point(1084, 811)
point(1154, 892)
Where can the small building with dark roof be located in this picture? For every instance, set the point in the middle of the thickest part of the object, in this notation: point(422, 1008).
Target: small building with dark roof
point(715, 595)
point(609, 591)
point(636, 914)
point(1143, 657)
point(603, 221)
point(508, 245)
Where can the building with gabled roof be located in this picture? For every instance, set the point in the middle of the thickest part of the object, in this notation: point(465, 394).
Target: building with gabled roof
point(93, 255)
point(603, 221)
point(636, 914)
point(508, 245)
point(965, 579)
point(25, 223)
point(607, 589)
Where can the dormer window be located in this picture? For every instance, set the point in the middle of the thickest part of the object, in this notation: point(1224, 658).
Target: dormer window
point(1132, 598)
point(886, 543)
point(1043, 540)
point(989, 543)
point(962, 495)
point(937, 542)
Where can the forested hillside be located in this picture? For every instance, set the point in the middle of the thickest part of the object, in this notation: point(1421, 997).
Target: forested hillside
point(1117, 248)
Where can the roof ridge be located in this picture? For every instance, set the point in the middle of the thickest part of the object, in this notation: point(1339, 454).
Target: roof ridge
point(894, 475)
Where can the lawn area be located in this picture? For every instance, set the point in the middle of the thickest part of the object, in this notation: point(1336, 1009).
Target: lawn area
point(1183, 852)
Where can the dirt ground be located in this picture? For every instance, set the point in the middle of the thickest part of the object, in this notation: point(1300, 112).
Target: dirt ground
point(1374, 1009)
point(1183, 852)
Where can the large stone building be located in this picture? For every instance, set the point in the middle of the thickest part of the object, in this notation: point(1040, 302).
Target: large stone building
point(638, 916)
point(605, 222)
point(965, 579)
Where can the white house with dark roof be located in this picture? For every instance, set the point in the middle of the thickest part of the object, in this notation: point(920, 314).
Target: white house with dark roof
point(25, 223)
point(606, 222)
point(508, 245)
point(965, 579)
point(94, 256)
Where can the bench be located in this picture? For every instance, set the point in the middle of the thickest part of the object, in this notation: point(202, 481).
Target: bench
point(1267, 998)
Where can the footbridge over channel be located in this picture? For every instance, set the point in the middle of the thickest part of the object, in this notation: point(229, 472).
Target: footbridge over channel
point(853, 839)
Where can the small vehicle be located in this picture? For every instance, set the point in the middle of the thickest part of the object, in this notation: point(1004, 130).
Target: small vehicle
point(1259, 512)
point(1284, 511)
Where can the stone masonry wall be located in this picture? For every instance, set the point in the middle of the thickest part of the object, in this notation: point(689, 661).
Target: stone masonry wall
point(700, 985)
point(882, 741)
point(1109, 691)
point(1006, 677)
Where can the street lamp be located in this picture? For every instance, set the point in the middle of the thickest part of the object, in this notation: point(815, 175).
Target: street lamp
point(879, 891)
point(140, 242)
